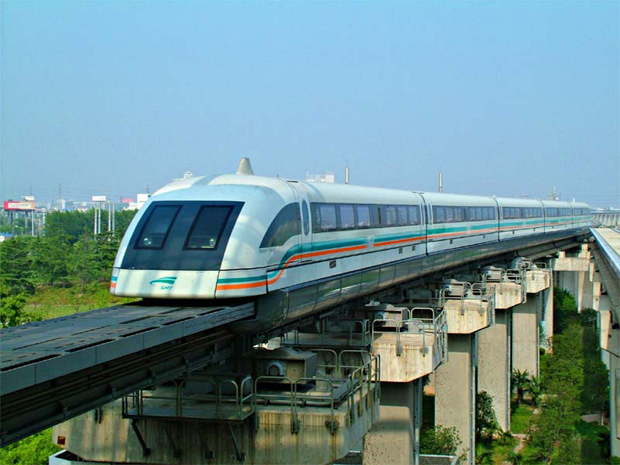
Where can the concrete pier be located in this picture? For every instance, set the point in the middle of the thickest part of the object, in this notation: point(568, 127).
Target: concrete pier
point(395, 436)
point(455, 392)
point(525, 336)
point(494, 365)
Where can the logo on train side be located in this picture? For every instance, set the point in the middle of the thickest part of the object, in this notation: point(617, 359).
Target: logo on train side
point(165, 283)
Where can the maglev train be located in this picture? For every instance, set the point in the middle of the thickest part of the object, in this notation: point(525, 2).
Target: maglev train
point(298, 247)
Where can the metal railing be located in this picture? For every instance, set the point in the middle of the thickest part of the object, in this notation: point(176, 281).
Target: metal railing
point(358, 332)
point(435, 325)
point(361, 388)
point(215, 404)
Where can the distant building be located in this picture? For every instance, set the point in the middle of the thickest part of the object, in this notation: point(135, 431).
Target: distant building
point(328, 177)
point(141, 200)
point(63, 205)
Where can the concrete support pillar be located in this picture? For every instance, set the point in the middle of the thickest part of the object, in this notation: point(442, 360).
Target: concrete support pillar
point(592, 292)
point(395, 437)
point(547, 317)
point(494, 366)
point(455, 391)
point(614, 395)
point(573, 282)
point(525, 336)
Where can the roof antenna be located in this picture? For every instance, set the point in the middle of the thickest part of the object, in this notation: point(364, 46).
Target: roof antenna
point(245, 167)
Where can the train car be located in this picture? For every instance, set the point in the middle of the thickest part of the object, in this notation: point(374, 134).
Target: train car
point(558, 215)
point(296, 247)
point(582, 217)
point(245, 235)
point(459, 221)
point(520, 217)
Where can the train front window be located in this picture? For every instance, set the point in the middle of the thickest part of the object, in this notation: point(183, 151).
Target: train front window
point(155, 230)
point(285, 225)
point(207, 228)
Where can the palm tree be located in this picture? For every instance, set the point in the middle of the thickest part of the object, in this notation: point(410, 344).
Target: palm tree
point(535, 389)
point(520, 382)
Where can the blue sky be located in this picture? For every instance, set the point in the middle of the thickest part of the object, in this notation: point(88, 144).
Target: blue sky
point(506, 98)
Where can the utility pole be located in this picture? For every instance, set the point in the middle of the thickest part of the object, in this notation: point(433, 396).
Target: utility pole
point(109, 205)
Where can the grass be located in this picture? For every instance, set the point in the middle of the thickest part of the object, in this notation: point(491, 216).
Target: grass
point(496, 452)
point(520, 419)
point(54, 302)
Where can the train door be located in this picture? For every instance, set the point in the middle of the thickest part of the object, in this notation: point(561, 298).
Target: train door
point(303, 198)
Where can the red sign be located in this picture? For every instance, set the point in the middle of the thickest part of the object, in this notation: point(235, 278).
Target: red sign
point(127, 200)
point(12, 205)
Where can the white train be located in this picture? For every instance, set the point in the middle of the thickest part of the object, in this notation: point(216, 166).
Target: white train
point(299, 247)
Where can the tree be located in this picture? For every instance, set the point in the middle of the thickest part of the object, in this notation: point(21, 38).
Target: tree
point(564, 310)
point(16, 273)
point(71, 224)
point(50, 259)
point(440, 441)
point(486, 419)
point(535, 389)
point(34, 450)
point(519, 381)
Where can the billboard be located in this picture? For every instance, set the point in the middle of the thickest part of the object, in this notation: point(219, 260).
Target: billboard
point(127, 200)
point(99, 198)
point(14, 205)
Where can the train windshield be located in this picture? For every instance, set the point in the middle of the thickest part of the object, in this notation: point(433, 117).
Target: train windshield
point(155, 231)
point(208, 227)
point(189, 235)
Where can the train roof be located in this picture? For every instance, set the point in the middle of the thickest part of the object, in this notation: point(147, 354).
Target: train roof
point(512, 202)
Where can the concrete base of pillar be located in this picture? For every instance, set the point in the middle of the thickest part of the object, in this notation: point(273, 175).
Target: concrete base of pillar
point(454, 391)
point(494, 366)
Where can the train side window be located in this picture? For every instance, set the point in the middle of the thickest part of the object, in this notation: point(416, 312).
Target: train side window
point(207, 229)
point(449, 215)
point(363, 216)
point(285, 225)
point(376, 216)
point(347, 217)
point(439, 215)
point(328, 217)
point(459, 215)
point(390, 215)
point(401, 216)
point(414, 215)
point(156, 229)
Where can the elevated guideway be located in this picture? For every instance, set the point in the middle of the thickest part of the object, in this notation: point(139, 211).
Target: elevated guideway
point(54, 370)
point(607, 256)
